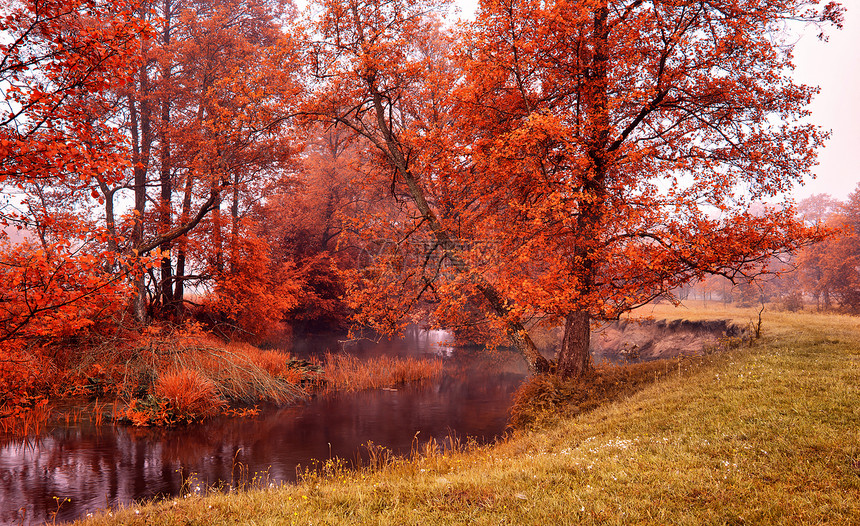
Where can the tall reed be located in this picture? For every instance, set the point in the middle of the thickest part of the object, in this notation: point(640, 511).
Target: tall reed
point(345, 372)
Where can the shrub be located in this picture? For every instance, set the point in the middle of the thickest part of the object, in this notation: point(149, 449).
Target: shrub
point(792, 302)
point(189, 395)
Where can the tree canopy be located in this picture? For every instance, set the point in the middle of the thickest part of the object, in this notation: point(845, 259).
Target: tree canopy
point(550, 162)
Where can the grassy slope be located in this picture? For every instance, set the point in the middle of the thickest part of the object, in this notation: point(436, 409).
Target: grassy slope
point(768, 435)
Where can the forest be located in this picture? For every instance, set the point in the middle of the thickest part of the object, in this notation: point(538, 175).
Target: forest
point(193, 183)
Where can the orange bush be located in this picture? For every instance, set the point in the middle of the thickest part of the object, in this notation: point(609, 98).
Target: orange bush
point(189, 395)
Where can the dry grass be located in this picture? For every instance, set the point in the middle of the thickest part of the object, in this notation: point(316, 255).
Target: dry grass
point(189, 394)
point(155, 375)
point(768, 435)
point(344, 372)
point(544, 399)
point(241, 372)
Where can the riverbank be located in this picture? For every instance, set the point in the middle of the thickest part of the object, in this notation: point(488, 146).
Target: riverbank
point(762, 435)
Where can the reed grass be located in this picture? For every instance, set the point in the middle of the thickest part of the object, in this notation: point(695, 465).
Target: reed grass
point(24, 421)
point(344, 372)
point(761, 435)
point(240, 372)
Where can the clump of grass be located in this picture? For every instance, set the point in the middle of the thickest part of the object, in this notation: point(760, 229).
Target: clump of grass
point(178, 396)
point(273, 362)
point(241, 372)
point(189, 394)
point(156, 375)
point(345, 372)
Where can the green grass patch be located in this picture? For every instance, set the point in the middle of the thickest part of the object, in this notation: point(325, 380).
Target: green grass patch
point(761, 435)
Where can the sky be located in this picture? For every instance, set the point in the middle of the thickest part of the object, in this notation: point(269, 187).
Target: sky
point(833, 66)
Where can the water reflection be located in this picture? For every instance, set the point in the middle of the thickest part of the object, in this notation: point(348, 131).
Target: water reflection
point(96, 467)
point(416, 341)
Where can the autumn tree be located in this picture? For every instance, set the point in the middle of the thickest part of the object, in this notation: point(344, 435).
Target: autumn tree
point(59, 62)
point(379, 73)
point(628, 140)
point(821, 210)
point(830, 270)
point(595, 156)
point(205, 116)
point(314, 221)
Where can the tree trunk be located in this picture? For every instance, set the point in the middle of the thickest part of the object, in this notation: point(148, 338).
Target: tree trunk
point(182, 242)
point(524, 344)
point(574, 357)
point(216, 235)
point(234, 225)
point(165, 213)
point(141, 134)
point(515, 330)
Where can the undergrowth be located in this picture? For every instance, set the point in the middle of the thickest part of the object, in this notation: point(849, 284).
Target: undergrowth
point(161, 375)
point(166, 375)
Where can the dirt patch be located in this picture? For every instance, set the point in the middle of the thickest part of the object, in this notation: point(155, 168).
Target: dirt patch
point(628, 341)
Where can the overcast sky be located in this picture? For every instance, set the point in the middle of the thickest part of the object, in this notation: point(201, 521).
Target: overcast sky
point(834, 66)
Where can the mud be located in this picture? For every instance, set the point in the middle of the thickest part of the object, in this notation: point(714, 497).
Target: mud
point(627, 341)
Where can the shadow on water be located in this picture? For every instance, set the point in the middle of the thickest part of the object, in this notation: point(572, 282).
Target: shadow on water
point(84, 468)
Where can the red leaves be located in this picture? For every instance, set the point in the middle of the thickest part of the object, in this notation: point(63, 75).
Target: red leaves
point(257, 292)
point(63, 57)
point(56, 292)
point(586, 157)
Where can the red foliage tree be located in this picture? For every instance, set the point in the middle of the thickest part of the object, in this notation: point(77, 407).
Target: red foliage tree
point(59, 272)
point(310, 221)
point(596, 155)
point(57, 69)
point(627, 142)
point(207, 119)
point(830, 270)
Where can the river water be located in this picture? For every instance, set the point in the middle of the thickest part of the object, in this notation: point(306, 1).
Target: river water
point(71, 471)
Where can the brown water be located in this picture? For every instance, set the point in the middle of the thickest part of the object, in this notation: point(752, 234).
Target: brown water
point(70, 472)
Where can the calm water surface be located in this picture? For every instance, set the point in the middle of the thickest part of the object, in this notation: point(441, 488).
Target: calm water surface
point(72, 471)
